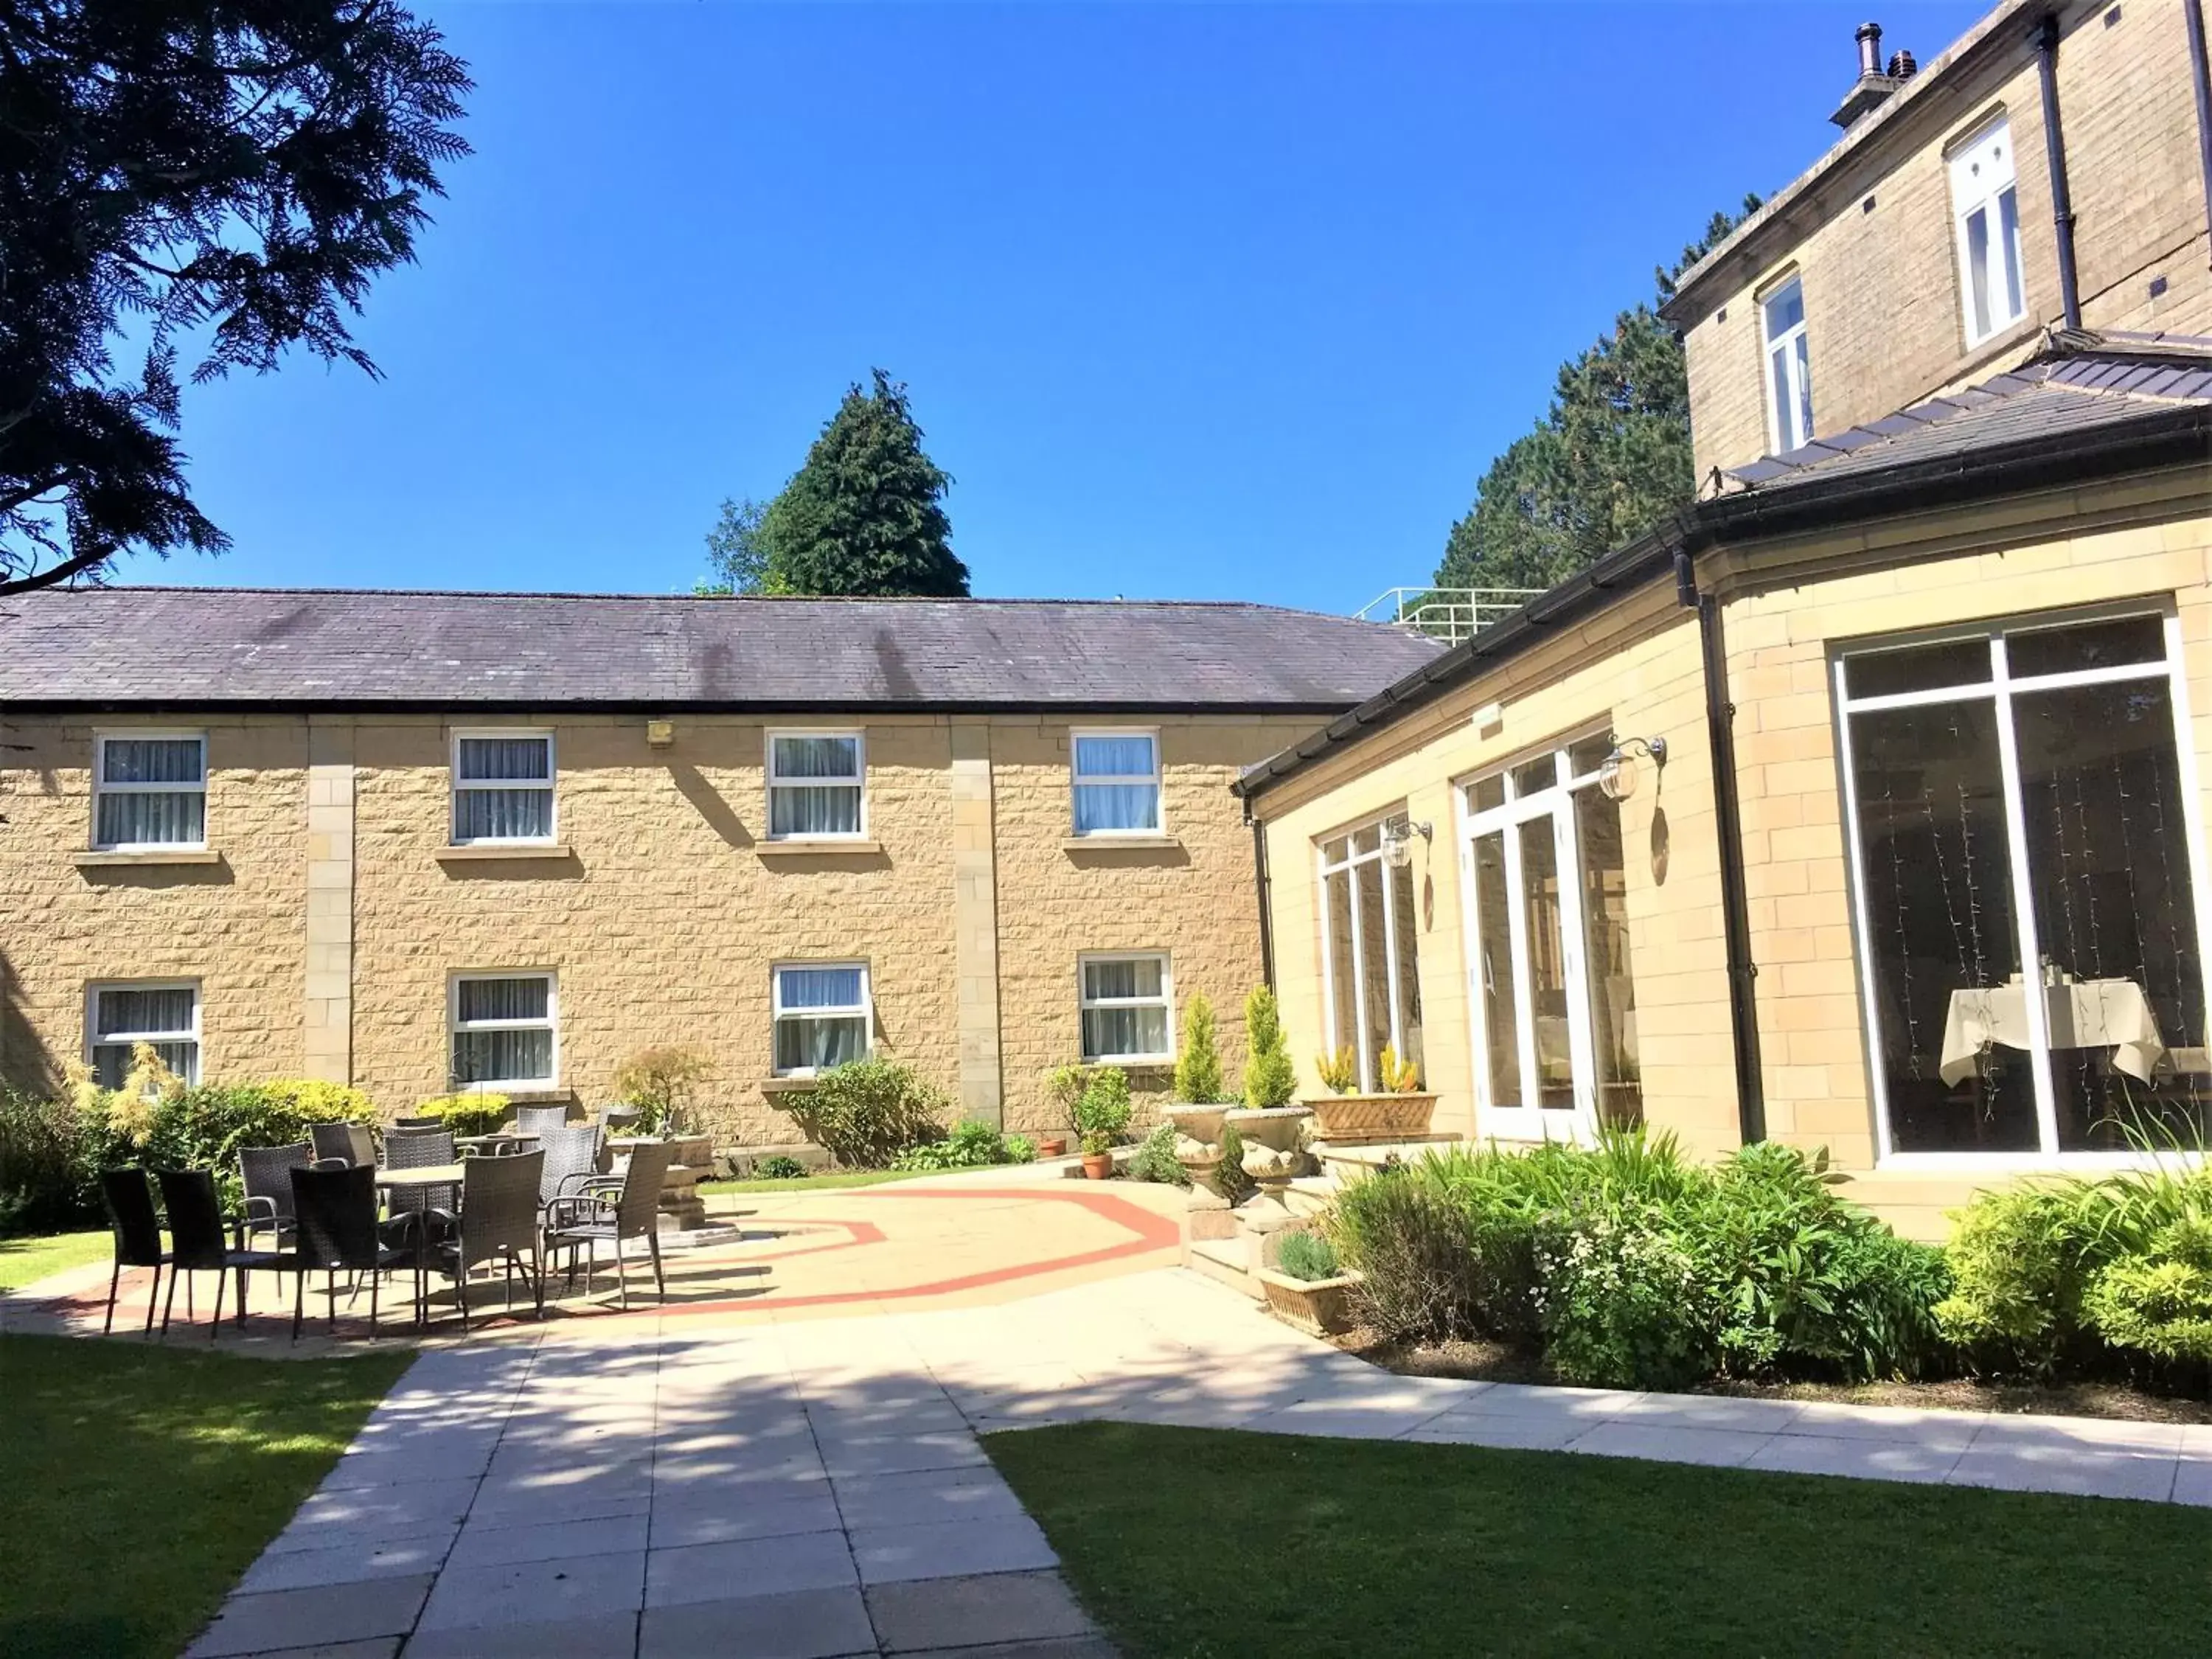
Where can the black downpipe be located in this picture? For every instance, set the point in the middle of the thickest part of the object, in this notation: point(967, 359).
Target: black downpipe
point(1260, 885)
point(2200, 77)
point(1728, 818)
point(2054, 154)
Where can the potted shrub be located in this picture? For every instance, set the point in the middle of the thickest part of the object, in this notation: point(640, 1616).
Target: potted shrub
point(1200, 1101)
point(1400, 1110)
point(1308, 1286)
point(1270, 1127)
point(1102, 1118)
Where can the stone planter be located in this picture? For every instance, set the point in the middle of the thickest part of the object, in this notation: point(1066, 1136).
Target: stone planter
point(1352, 1120)
point(1319, 1307)
point(1198, 1143)
point(1273, 1138)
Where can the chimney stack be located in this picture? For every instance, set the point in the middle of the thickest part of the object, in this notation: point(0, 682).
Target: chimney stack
point(1873, 85)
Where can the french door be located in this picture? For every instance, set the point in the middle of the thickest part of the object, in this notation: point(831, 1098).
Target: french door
point(1553, 1004)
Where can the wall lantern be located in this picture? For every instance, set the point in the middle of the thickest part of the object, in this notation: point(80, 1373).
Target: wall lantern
point(659, 734)
point(1398, 842)
point(1616, 773)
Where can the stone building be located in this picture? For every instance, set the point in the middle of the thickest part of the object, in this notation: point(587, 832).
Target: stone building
point(1863, 804)
point(425, 840)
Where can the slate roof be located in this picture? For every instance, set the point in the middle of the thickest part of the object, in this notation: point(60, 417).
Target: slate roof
point(2084, 382)
point(142, 647)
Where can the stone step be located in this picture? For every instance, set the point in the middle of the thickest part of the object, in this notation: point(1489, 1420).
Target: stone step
point(1347, 1161)
point(1223, 1259)
point(1311, 1194)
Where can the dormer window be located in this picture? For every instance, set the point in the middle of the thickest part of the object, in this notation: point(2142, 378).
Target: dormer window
point(1788, 367)
point(1985, 204)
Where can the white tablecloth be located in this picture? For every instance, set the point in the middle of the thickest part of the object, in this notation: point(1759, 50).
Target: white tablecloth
point(2090, 1013)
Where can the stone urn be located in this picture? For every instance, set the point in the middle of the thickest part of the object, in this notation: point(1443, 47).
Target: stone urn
point(1198, 1143)
point(1360, 1119)
point(1274, 1144)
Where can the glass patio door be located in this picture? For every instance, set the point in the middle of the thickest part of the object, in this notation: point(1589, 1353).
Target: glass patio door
point(1536, 1071)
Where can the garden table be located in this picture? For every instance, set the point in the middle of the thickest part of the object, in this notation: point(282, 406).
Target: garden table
point(430, 1175)
point(477, 1141)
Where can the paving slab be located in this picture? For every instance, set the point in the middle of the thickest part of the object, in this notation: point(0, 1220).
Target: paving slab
point(1857, 1459)
point(960, 1549)
point(481, 1545)
point(924, 1497)
point(820, 1624)
point(543, 1592)
point(305, 1617)
point(374, 1647)
point(2044, 1469)
point(751, 1566)
point(955, 1612)
point(715, 1516)
point(1665, 1444)
point(349, 1562)
point(590, 1636)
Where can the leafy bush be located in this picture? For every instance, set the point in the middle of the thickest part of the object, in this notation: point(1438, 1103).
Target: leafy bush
point(2022, 1260)
point(1416, 1248)
point(1020, 1149)
point(865, 1113)
point(1309, 1256)
point(1623, 1305)
point(468, 1114)
point(1101, 1115)
point(2159, 1301)
point(971, 1146)
point(780, 1168)
point(1197, 1070)
point(659, 1082)
point(1270, 1078)
point(51, 1156)
point(1155, 1158)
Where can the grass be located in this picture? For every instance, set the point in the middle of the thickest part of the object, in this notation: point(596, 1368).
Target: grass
point(141, 1481)
point(820, 1183)
point(1208, 1543)
point(26, 1260)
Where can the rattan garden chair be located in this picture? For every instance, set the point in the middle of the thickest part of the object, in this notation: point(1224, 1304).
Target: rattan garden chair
point(336, 1209)
point(198, 1245)
point(350, 1141)
point(498, 1222)
point(266, 1172)
point(611, 1209)
point(418, 1123)
point(138, 1234)
point(420, 1150)
point(574, 1156)
point(537, 1119)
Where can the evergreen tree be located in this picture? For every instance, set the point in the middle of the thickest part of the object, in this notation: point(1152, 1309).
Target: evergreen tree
point(1609, 459)
point(865, 515)
point(1270, 1078)
point(1198, 1073)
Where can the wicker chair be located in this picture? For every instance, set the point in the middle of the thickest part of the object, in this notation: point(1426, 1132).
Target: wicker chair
point(403, 1123)
point(138, 1234)
point(349, 1141)
point(198, 1245)
point(574, 1156)
point(620, 1120)
point(612, 1209)
point(267, 1174)
point(420, 1150)
point(537, 1119)
point(336, 1209)
point(498, 1222)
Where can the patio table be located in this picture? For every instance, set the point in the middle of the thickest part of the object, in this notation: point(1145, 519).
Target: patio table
point(430, 1175)
point(517, 1139)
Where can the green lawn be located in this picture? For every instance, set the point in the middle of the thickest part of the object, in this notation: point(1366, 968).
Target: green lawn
point(26, 1260)
point(817, 1183)
point(1210, 1543)
point(141, 1481)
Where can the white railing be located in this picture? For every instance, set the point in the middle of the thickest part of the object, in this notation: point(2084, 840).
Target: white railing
point(1445, 613)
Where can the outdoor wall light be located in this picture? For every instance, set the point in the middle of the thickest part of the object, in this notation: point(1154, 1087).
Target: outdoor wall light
point(1398, 842)
point(1616, 773)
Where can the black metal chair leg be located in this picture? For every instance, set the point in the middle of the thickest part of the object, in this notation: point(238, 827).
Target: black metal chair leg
point(622, 1272)
point(659, 1283)
point(114, 1283)
point(242, 1280)
point(214, 1324)
point(169, 1305)
point(372, 1279)
point(153, 1295)
point(461, 1281)
point(189, 1312)
point(298, 1301)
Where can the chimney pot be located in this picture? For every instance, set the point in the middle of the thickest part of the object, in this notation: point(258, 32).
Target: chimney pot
point(1869, 39)
point(1902, 65)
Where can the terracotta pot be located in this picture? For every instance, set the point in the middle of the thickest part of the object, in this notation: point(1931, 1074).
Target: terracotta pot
point(1055, 1147)
point(1097, 1166)
point(1371, 1117)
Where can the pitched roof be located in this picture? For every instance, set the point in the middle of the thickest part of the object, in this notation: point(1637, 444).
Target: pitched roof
point(2082, 382)
point(124, 647)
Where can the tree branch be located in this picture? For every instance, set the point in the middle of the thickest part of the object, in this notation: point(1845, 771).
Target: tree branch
point(53, 576)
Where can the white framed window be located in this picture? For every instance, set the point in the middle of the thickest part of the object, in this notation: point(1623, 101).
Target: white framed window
point(148, 790)
point(2029, 889)
point(1544, 868)
point(815, 784)
point(1127, 1001)
point(1985, 209)
point(1369, 984)
point(1116, 779)
point(1788, 367)
point(505, 1030)
point(503, 786)
point(119, 1016)
point(821, 1014)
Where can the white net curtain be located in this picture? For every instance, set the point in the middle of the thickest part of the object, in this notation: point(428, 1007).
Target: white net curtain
point(504, 789)
point(801, 805)
point(141, 803)
point(1117, 788)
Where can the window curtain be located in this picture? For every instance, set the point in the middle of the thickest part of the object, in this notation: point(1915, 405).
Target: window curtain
point(1113, 757)
point(151, 760)
point(511, 1056)
point(1138, 977)
point(505, 760)
point(815, 810)
point(111, 1061)
point(132, 1012)
point(1116, 807)
point(1110, 1032)
point(153, 817)
point(503, 815)
point(815, 1042)
point(503, 999)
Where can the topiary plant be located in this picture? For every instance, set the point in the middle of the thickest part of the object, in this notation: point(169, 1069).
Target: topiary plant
point(1198, 1073)
point(1270, 1078)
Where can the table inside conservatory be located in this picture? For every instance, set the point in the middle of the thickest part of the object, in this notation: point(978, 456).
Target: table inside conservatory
point(2086, 1013)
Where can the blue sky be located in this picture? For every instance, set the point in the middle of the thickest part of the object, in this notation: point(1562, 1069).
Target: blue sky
point(1194, 301)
